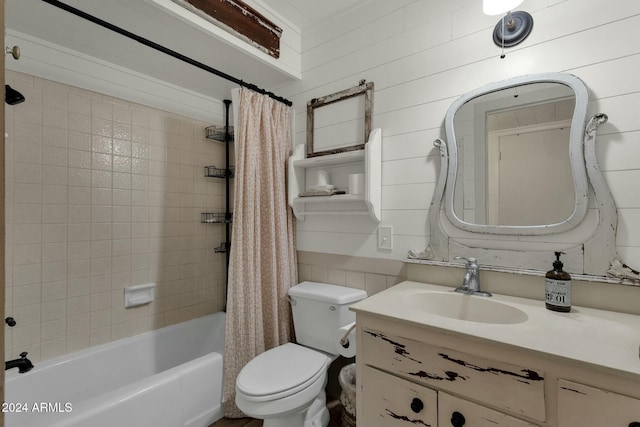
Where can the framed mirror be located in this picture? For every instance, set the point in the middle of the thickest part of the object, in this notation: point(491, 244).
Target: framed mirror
point(517, 166)
point(519, 179)
point(339, 122)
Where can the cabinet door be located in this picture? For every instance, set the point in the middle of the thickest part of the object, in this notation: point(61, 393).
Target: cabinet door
point(584, 406)
point(456, 412)
point(512, 388)
point(390, 401)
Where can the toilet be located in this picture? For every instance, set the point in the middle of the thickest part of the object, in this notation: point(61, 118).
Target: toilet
point(284, 386)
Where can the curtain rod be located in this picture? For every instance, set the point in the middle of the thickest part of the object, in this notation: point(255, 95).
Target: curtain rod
point(164, 50)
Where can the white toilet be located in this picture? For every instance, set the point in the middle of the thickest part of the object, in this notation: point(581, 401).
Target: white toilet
point(284, 386)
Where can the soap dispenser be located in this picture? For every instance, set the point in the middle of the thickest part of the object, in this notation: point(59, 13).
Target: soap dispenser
point(558, 287)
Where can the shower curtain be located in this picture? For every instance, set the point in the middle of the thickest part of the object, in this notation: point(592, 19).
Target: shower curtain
point(263, 263)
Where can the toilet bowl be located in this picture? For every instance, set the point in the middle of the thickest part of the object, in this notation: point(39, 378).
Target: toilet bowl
point(284, 386)
point(281, 384)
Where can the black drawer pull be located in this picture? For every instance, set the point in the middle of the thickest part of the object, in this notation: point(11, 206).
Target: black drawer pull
point(417, 405)
point(457, 419)
point(635, 424)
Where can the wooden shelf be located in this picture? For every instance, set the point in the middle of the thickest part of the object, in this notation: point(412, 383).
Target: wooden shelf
point(368, 160)
point(338, 198)
point(331, 159)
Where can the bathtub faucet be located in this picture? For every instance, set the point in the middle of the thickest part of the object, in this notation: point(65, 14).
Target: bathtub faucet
point(23, 364)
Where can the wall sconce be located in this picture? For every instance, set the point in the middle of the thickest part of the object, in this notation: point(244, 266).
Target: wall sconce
point(514, 27)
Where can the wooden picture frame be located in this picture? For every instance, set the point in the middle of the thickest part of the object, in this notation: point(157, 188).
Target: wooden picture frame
point(364, 89)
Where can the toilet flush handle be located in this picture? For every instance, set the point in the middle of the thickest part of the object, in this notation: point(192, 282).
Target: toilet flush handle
point(291, 300)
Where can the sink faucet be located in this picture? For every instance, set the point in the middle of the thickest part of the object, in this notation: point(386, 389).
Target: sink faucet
point(23, 364)
point(471, 282)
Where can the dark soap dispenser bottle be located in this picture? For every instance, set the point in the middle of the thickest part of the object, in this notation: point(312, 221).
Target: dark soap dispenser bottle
point(558, 287)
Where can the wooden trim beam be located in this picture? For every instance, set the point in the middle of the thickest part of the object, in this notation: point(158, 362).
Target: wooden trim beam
point(238, 18)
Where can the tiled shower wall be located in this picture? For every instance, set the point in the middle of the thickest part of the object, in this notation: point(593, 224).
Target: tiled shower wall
point(102, 194)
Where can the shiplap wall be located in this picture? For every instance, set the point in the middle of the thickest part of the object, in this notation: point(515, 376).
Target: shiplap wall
point(422, 55)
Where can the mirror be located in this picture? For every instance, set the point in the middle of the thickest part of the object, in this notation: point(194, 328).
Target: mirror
point(339, 122)
point(512, 142)
point(534, 130)
point(511, 165)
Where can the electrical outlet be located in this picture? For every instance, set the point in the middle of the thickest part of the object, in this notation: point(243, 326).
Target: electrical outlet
point(385, 237)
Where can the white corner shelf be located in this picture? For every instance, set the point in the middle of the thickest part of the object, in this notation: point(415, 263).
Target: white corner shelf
point(367, 160)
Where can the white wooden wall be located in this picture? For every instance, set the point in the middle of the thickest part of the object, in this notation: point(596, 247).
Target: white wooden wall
point(422, 55)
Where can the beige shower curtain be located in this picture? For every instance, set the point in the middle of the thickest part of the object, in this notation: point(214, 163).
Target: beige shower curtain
point(263, 262)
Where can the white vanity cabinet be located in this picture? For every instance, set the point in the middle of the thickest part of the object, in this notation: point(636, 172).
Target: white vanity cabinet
point(581, 405)
point(423, 370)
point(395, 402)
point(456, 412)
point(397, 370)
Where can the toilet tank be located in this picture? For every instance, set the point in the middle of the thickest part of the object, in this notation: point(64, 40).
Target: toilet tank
point(319, 309)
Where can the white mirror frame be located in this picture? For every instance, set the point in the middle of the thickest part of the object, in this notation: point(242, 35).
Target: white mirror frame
point(529, 249)
point(578, 169)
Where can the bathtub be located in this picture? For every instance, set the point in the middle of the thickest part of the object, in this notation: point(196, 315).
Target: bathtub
point(170, 377)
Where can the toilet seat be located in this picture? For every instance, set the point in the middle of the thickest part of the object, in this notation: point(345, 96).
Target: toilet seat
point(281, 372)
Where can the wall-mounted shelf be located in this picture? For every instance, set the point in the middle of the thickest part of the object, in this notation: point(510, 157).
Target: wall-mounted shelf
point(214, 172)
point(338, 198)
point(218, 133)
point(223, 248)
point(216, 217)
point(222, 134)
point(339, 167)
point(330, 159)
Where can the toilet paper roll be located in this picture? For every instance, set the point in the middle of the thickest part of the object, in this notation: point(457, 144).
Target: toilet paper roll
point(348, 349)
point(322, 177)
point(356, 183)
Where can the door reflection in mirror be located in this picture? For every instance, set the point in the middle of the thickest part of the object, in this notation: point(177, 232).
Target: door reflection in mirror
point(514, 164)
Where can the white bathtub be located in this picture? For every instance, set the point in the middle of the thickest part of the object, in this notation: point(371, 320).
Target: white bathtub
point(171, 377)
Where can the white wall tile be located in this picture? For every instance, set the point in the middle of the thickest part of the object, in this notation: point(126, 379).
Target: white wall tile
point(77, 180)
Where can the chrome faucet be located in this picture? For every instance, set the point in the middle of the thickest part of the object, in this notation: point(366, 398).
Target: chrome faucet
point(471, 281)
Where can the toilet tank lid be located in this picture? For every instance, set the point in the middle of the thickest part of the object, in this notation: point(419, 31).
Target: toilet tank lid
point(327, 293)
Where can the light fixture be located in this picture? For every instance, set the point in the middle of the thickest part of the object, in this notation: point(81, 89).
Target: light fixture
point(514, 27)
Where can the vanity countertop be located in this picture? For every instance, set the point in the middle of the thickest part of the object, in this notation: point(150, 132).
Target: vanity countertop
point(585, 335)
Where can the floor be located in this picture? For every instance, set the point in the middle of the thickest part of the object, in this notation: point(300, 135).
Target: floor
point(335, 410)
point(237, 422)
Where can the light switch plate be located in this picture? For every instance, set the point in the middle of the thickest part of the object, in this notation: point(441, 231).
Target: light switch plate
point(385, 237)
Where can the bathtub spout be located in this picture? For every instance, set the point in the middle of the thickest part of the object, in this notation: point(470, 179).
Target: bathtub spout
point(23, 364)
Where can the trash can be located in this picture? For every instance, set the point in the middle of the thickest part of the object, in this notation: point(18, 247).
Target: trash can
point(347, 380)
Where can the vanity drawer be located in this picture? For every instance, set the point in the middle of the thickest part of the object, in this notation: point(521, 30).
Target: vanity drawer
point(394, 402)
point(458, 412)
point(581, 405)
point(514, 388)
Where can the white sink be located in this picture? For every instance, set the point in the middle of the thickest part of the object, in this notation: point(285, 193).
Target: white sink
point(585, 335)
point(471, 308)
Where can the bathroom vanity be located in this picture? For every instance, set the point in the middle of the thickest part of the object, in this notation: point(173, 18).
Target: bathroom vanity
point(428, 356)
